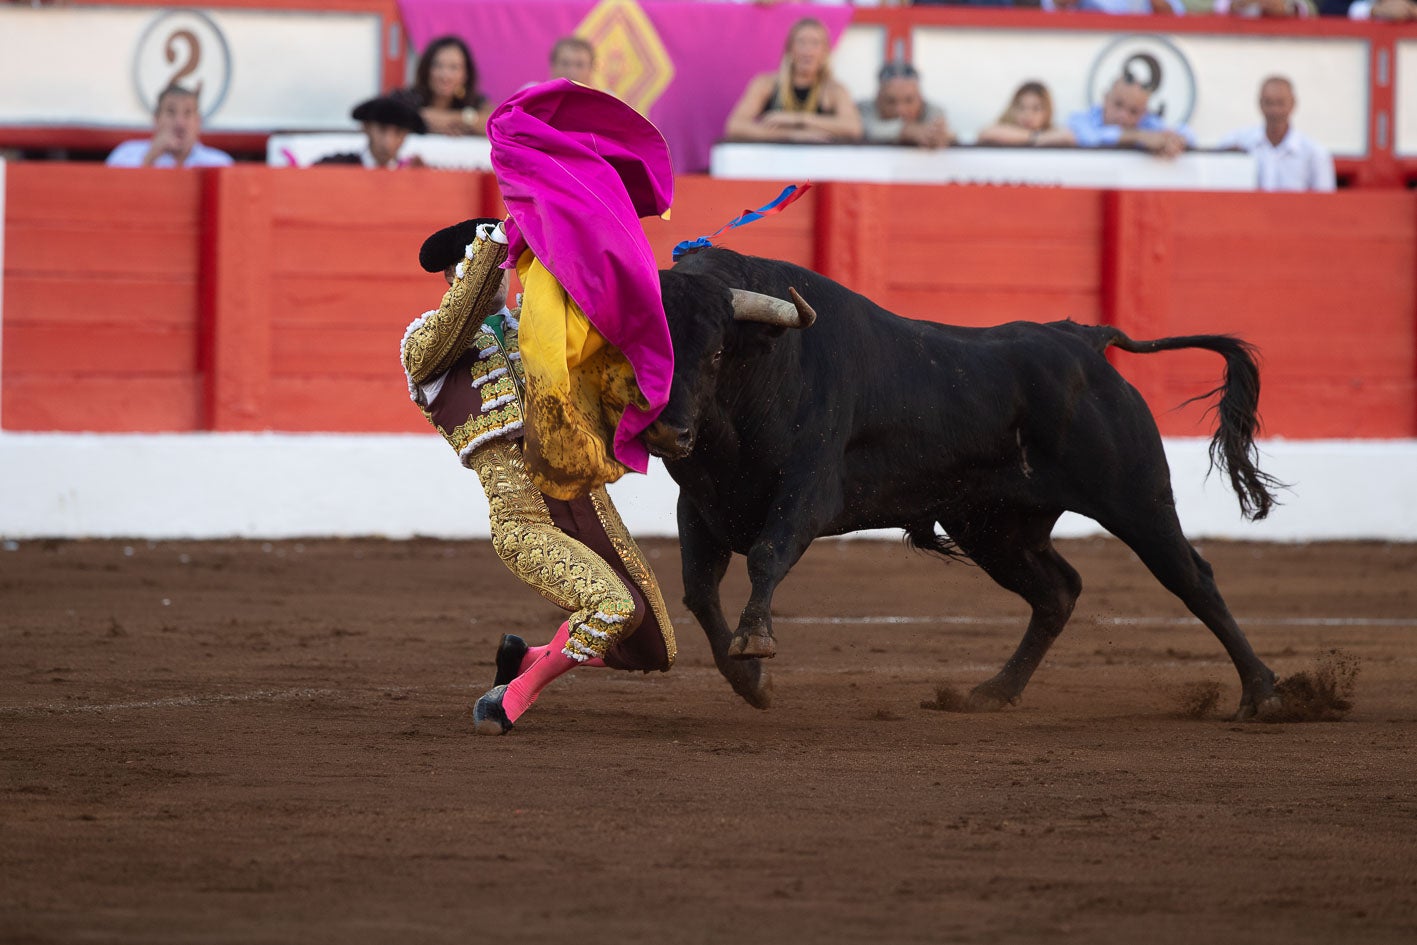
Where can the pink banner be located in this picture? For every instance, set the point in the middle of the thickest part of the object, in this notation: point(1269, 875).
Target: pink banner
point(682, 64)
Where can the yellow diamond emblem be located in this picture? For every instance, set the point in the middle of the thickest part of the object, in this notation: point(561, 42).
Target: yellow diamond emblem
point(631, 62)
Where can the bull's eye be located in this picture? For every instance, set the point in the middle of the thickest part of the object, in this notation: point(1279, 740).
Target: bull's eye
point(717, 356)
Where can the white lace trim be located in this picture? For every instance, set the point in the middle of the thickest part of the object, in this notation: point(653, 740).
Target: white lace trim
point(414, 392)
point(491, 405)
point(491, 375)
point(465, 454)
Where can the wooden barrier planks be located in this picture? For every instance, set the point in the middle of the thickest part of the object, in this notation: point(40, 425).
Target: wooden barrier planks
point(1322, 285)
point(252, 298)
point(101, 298)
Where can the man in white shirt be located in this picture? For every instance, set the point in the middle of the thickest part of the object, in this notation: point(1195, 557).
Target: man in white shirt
point(1285, 159)
point(176, 125)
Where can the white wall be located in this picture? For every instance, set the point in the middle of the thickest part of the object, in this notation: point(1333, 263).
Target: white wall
point(285, 486)
point(103, 67)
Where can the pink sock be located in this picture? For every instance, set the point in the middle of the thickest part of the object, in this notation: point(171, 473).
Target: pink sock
point(539, 671)
point(558, 642)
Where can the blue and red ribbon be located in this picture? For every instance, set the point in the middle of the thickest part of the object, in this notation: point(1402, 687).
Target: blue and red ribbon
point(778, 204)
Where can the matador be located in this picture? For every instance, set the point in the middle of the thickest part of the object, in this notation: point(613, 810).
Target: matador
point(545, 401)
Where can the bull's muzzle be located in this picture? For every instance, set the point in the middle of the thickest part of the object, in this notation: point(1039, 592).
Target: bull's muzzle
point(667, 441)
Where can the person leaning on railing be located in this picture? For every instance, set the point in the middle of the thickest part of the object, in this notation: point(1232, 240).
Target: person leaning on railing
point(899, 113)
point(801, 102)
point(1028, 120)
point(445, 89)
point(177, 125)
point(1124, 121)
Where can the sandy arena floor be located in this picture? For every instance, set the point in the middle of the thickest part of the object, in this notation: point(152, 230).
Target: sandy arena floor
point(248, 742)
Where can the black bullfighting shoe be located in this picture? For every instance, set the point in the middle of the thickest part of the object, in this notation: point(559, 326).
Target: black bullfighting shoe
point(487, 715)
point(510, 653)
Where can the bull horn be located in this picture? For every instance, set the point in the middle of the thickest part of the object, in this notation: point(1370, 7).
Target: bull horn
point(756, 307)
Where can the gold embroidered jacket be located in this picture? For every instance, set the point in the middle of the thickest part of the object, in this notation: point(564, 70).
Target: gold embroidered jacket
point(479, 398)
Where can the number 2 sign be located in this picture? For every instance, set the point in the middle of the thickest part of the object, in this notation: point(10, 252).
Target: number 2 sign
point(183, 47)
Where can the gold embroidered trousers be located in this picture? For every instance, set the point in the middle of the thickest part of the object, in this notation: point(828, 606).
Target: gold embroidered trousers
point(580, 557)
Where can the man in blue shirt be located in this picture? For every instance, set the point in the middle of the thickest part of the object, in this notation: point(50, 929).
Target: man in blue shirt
point(1123, 121)
point(176, 126)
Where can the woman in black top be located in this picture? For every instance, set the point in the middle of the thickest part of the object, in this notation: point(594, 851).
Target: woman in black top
point(800, 101)
point(445, 89)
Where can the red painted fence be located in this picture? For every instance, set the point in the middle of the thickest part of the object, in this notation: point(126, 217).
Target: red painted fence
point(251, 298)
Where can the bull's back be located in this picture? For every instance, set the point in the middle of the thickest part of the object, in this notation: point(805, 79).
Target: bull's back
point(909, 413)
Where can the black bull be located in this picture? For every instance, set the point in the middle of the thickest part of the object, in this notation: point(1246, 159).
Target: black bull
point(868, 420)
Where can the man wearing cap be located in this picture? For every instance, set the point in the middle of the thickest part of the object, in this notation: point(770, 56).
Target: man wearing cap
point(387, 122)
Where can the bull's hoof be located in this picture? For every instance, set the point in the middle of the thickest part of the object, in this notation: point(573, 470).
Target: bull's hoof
point(1259, 701)
point(988, 697)
point(755, 688)
point(752, 646)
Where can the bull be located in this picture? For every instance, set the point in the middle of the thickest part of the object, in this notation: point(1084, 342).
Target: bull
point(777, 435)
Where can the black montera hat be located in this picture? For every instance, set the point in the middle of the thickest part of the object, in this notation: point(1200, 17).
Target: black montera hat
point(448, 246)
point(387, 110)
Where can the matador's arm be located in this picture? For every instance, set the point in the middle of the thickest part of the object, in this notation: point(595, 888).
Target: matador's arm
point(430, 348)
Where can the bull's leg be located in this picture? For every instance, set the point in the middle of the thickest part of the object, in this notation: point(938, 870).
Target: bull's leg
point(705, 560)
point(1158, 541)
point(1016, 550)
point(778, 548)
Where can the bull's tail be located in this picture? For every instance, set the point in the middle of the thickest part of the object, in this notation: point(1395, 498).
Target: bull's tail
point(1232, 448)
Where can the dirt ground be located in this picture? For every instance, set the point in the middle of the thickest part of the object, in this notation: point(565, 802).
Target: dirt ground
point(271, 742)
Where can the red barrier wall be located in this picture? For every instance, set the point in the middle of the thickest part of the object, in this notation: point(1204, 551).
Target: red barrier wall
point(101, 299)
point(251, 298)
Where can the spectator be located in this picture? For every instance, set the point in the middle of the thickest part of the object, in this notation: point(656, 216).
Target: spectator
point(573, 58)
point(1391, 11)
point(900, 115)
point(177, 124)
point(445, 89)
point(1285, 158)
point(1269, 9)
point(1129, 7)
point(387, 121)
point(801, 101)
point(1122, 120)
point(1028, 121)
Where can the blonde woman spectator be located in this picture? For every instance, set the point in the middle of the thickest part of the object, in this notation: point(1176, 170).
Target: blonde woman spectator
point(799, 102)
point(1028, 121)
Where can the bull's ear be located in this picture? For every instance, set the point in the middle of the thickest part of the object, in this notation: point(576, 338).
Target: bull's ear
point(756, 307)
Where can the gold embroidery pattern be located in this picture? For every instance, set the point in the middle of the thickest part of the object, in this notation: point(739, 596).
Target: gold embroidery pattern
point(431, 349)
point(635, 563)
point(503, 386)
point(561, 569)
point(484, 426)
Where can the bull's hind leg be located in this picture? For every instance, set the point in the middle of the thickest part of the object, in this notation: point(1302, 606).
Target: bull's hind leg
point(1015, 548)
point(705, 561)
point(1162, 547)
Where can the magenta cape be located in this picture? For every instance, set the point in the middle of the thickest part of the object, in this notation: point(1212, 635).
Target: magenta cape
point(578, 168)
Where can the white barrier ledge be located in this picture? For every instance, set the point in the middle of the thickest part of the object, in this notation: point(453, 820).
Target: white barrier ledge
point(271, 485)
point(1105, 169)
point(470, 153)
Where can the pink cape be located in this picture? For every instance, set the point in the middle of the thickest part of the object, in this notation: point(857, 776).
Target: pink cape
point(578, 168)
